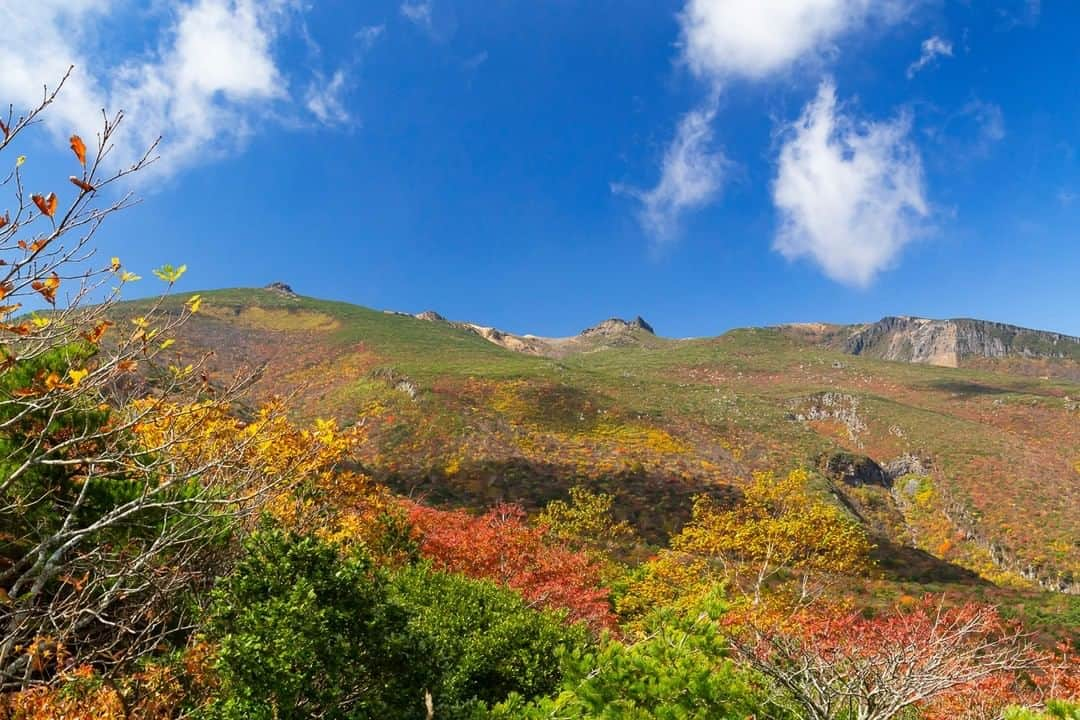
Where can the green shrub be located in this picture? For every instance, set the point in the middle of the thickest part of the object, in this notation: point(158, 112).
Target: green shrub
point(680, 670)
point(484, 641)
point(305, 633)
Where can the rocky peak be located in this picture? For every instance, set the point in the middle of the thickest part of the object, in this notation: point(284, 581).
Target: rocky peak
point(430, 316)
point(618, 326)
point(281, 289)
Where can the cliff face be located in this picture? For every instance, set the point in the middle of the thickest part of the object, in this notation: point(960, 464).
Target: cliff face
point(949, 343)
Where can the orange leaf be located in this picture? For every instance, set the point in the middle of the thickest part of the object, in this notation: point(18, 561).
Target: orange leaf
point(79, 148)
point(47, 287)
point(94, 336)
point(5, 289)
point(21, 329)
point(4, 219)
point(127, 365)
point(34, 246)
point(82, 185)
point(47, 205)
point(8, 309)
point(4, 129)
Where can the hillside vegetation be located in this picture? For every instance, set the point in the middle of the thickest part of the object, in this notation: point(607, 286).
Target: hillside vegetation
point(975, 468)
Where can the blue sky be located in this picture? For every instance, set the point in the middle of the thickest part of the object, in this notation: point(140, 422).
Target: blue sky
point(541, 166)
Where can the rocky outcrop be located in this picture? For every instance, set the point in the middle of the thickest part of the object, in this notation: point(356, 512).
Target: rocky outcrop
point(949, 342)
point(855, 470)
point(281, 289)
point(858, 470)
point(907, 464)
point(618, 326)
point(835, 406)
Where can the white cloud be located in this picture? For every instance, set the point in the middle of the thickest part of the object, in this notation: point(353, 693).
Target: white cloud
point(723, 39)
point(850, 194)
point(209, 78)
point(726, 40)
point(418, 12)
point(932, 48)
point(692, 174)
point(324, 99)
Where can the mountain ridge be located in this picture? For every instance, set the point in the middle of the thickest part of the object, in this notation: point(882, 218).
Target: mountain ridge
point(454, 416)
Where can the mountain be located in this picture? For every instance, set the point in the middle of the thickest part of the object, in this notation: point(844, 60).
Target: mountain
point(963, 474)
point(952, 343)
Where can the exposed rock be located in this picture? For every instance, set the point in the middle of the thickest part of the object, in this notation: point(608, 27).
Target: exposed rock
point(906, 464)
point(528, 344)
point(408, 387)
point(400, 382)
point(841, 407)
point(855, 470)
point(949, 342)
point(618, 326)
point(281, 289)
point(430, 316)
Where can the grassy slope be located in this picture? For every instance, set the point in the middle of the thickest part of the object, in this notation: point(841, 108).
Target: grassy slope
point(464, 421)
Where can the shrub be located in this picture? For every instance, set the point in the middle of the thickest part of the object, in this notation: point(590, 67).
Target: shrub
point(484, 641)
point(305, 633)
point(679, 670)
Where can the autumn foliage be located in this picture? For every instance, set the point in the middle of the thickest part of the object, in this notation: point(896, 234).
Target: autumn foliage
point(840, 664)
point(500, 546)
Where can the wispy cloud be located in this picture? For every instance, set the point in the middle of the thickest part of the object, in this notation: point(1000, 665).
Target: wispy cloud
point(1020, 13)
point(989, 119)
point(932, 48)
point(692, 174)
point(418, 12)
point(850, 193)
point(324, 99)
point(369, 35)
point(210, 77)
point(475, 61)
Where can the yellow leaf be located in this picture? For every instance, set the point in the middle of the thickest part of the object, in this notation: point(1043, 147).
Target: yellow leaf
point(129, 276)
point(170, 274)
point(167, 344)
point(194, 303)
point(47, 287)
point(77, 376)
point(114, 264)
point(20, 160)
